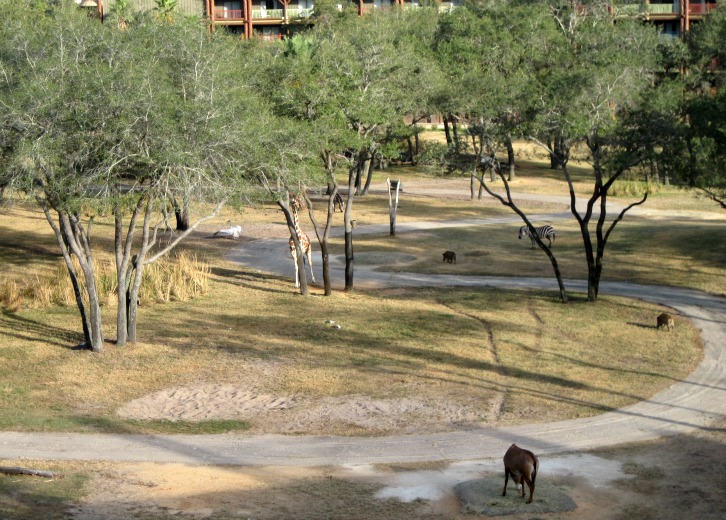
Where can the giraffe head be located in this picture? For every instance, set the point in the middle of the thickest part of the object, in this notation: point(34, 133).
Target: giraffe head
point(295, 202)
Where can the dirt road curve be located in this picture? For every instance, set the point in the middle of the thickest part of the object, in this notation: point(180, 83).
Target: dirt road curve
point(685, 406)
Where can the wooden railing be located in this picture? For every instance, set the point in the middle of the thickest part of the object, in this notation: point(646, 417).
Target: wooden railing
point(267, 13)
point(701, 8)
point(662, 8)
point(627, 10)
point(228, 14)
point(300, 12)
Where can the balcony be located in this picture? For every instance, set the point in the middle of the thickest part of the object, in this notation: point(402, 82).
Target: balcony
point(699, 9)
point(258, 14)
point(228, 14)
point(662, 8)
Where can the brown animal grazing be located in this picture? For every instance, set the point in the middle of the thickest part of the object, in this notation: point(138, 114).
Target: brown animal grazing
point(522, 465)
point(666, 321)
point(449, 256)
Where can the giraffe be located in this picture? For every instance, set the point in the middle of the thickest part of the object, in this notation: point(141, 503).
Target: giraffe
point(303, 238)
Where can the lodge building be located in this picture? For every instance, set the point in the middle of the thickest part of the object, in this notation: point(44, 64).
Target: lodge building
point(275, 19)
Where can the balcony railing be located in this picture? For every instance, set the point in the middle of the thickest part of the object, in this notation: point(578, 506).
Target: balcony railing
point(627, 10)
point(662, 8)
point(701, 8)
point(300, 12)
point(228, 14)
point(267, 13)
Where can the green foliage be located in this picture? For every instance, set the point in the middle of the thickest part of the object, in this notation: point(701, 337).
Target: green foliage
point(165, 9)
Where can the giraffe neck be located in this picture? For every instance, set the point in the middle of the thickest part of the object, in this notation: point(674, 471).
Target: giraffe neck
point(296, 221)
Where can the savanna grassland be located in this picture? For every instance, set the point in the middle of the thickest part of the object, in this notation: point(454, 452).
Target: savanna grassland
point(496, 357)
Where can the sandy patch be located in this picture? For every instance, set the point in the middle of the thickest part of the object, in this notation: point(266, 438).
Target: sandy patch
point(301, 414)
point(204, 403)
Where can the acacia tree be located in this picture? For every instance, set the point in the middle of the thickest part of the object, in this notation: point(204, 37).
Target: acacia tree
point(100, 123)
point(603, 71)
point(478, 46)
point(190, 140)
point(347, 81)
point(705, 127)
point(293, 77)
point(58, 145)
point(372, 68)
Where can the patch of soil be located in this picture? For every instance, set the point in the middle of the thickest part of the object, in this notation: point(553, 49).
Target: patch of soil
point(300, 414)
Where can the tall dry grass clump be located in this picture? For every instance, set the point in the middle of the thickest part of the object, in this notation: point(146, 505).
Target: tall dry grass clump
point(10, 296)
point(179, 277)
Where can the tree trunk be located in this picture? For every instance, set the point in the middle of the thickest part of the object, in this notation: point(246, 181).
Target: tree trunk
point(63, 244)
point(510, 204)
point(325, 253)
point(78, 242)
point(349, 259)
point(124, 268)
point(323, 239)
point(455, 132)
point(369, 170)
point(392, 206)
point(138, 263)
point(510, 156)
point(447, 130)
point(181, 212)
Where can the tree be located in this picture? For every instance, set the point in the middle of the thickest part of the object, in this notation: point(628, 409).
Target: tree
point(604, 70)
point(294, 78)
point(51, 121)
point(372, 69)
point(102, 121)
point(705, 100)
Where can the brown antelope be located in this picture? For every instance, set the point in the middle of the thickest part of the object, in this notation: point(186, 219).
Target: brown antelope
point(522, 465)
point(665, 321)
point(449, 256)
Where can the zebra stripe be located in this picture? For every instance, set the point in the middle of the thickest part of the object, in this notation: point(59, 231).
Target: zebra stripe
point(542, 232)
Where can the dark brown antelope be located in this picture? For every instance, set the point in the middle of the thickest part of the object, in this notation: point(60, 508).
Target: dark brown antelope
point(449, 256)
point(665, 321)
point(522, 465)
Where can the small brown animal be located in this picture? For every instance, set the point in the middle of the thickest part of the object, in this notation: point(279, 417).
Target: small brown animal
point(666, 321)
point(522, 465)
point(449, 256)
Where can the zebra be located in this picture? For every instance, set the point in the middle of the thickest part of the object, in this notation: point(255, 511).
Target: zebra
point(338, 202)
point(543, 232)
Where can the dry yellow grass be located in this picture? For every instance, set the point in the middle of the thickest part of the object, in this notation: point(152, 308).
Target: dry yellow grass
point(514, 356)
